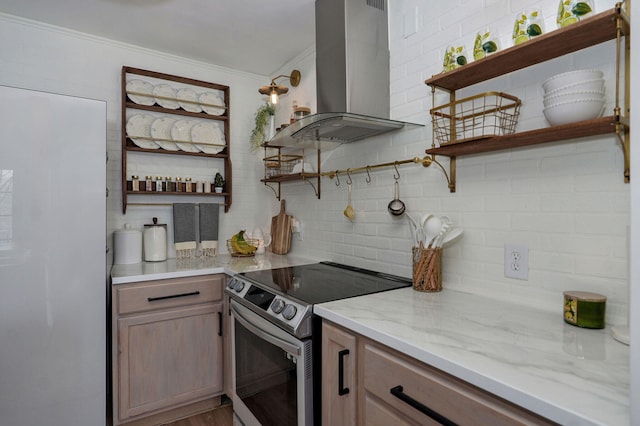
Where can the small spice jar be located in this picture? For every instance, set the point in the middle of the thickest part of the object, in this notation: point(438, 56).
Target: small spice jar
point(159, 184)
point(179, 184)
point(135, 183)
point(169, 185)
point(148, 184)
point(188, 185)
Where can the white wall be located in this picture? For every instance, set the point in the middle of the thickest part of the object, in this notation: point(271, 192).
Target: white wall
point(51, 59)
point(566, 201)
point(553, 198)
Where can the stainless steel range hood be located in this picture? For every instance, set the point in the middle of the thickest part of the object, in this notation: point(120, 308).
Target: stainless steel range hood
point(352, 75)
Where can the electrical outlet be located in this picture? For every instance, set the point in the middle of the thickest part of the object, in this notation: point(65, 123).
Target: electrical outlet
point(516, 261)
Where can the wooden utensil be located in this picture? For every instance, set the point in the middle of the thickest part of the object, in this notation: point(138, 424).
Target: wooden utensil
point(348, 211)
point(281, 231)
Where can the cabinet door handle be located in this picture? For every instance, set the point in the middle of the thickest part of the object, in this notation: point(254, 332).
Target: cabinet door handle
point(398, 393)
point(341, 389)
point(219, 323)
point(173, 296)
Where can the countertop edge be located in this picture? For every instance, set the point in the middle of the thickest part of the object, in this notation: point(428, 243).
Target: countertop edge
point(220, 264)
point(167, 275)
point(555, 413)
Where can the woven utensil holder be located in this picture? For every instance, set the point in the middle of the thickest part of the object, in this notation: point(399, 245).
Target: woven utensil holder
point(427, 269)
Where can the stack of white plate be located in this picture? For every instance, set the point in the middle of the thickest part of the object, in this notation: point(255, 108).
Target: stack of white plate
point(573, 96)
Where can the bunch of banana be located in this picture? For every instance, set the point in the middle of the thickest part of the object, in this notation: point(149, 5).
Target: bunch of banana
point(240, 245)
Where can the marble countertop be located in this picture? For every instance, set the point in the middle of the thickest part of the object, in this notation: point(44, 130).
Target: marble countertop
point(221, 264)
point(526, 355)
point(521, 353)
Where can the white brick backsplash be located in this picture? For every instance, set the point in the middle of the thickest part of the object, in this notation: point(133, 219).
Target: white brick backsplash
point(542, 223)
point(566, 201)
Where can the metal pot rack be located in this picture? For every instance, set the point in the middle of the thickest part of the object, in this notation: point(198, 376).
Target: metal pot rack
point(335, 174)
point(425, 161)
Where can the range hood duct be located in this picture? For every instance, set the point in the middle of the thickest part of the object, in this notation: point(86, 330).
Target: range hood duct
point(352, 76)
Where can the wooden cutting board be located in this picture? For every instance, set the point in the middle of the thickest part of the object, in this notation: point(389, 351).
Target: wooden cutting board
point(281, 231)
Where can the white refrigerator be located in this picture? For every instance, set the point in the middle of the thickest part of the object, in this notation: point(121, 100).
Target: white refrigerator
point(53, 288)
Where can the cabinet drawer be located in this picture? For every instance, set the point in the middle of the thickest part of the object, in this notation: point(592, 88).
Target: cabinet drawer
point(169, 293)
point(415, 383)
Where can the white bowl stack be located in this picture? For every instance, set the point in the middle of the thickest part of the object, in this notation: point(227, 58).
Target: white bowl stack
point(573, 96)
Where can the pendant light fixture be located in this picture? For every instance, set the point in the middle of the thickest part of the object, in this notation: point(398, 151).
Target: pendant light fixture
point(274, 91)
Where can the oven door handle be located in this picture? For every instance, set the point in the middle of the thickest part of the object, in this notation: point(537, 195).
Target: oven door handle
point(286, 346)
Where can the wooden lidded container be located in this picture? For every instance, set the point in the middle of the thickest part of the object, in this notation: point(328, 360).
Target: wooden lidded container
point(584, 309)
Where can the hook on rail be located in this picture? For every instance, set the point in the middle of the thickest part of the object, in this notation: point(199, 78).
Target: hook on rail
point(337, 178)
point(349, 181)
point(396, 175)
point(368, 178)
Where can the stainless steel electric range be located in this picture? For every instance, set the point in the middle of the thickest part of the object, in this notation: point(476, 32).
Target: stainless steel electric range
point(276, 336)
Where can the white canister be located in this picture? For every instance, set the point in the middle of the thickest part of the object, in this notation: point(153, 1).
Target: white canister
point(155, 242)
point(127, 243)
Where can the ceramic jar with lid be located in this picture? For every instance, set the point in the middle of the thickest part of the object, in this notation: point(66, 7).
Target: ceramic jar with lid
point(584, 309)
point(155, 241)
point(128, 246)
point(301, 112)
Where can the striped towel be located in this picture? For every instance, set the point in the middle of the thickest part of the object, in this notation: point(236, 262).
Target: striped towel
point(184, 229)
point(209, 229)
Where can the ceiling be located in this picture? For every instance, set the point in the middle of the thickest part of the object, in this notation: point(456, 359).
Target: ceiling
point(257, 36)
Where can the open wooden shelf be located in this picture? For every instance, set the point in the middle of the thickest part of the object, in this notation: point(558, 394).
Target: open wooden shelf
point(612, 24)
point(131, 147)
point(293, 177)
point(594, 30)
point(155, 108)
point(199, 194)
point(598, 126)
point(275, 182)
point(128, 146)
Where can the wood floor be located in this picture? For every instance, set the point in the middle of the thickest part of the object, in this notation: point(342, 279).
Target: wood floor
point(221, 416)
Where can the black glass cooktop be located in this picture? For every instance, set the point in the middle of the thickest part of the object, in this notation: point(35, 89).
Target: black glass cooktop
point(325, 281)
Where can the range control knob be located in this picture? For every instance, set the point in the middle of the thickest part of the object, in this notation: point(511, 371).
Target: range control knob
point(278, 305)
point(230, 283)
point(238, 286)
point(289, 312)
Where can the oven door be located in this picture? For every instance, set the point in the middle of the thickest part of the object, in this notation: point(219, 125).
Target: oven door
point(272, 372)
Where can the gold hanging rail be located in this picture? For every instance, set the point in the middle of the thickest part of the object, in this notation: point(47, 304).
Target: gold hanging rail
point(425, 161)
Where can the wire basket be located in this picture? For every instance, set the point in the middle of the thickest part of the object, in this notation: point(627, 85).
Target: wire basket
point(281, 164)
point(477, 117)
point(235, 253)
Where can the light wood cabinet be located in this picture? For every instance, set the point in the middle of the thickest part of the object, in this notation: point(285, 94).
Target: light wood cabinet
point(393, 388)
point(417, 393)
point(226, 346)
point(339, 386)
point(168, 347)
